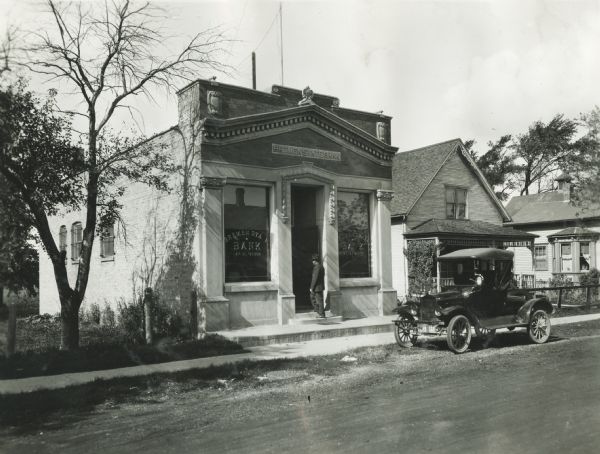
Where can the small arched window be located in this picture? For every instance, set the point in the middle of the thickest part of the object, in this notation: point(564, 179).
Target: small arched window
point(107, 242)
point(76, 240)
point(62, 239)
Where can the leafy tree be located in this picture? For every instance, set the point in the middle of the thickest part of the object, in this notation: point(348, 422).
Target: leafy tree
point(40, 166)
point(587, 172)
point(18, 258)
point(497, 165)
point(109, 53)
point(544, 150)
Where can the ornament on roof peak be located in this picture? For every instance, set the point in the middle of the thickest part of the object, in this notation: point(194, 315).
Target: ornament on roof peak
point(307, 95)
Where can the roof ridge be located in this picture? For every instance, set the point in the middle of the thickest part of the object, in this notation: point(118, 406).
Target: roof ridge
point(430, 146)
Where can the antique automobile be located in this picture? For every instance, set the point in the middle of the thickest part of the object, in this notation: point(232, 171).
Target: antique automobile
point(477, 294)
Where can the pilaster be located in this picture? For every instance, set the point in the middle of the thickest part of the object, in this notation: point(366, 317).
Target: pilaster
point(386, 297)
point(211, 274)
point(331, 261)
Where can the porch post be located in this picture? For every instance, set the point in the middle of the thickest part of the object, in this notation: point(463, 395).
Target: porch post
point(386, 297)
point(212, 268)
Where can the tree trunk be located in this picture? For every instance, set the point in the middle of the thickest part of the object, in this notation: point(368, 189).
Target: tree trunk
point(69, 319)
point(11, 334)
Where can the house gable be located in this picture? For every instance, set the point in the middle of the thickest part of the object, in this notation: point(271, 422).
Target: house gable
point(456, 172)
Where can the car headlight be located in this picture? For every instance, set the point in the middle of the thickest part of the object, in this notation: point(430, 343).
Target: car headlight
point(437, 313)
point(413, 311)
point(466, 293)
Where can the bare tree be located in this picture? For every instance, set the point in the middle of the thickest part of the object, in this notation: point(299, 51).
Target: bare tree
point(6, 49)
point(109, 53)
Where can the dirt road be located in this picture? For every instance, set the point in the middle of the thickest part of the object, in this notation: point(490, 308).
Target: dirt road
point(513, 397)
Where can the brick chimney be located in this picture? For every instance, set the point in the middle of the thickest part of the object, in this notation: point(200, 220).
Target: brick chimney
point(564, 185)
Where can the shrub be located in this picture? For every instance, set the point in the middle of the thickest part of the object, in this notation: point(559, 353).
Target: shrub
point(107, 317)
point(420, 255)
point(131, 321)
point(592, 277)
point(560, 281)
point(92, 314)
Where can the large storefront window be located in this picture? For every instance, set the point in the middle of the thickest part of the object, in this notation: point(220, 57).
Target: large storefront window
point(354, 236)
point(247, 246)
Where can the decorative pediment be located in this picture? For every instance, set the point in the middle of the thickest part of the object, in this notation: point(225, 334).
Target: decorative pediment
point(217, 131)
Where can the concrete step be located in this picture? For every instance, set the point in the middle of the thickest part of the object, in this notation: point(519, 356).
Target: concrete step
point(312, 318)
point(303, 332)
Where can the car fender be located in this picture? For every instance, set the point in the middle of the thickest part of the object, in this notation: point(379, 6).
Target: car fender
point(539, 302)
point(451, 311)
point(403, 310)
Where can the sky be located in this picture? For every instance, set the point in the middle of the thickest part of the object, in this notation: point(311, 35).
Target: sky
point(441, 69)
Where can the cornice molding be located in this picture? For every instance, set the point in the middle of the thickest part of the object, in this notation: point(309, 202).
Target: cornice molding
point(226, 131)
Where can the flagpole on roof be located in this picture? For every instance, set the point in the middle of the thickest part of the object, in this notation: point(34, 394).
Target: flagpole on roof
point(281, 36)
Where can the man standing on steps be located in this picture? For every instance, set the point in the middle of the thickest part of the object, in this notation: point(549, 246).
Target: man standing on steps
point(317, 285)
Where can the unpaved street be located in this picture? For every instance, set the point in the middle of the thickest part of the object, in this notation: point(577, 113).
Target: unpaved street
point(513, 397)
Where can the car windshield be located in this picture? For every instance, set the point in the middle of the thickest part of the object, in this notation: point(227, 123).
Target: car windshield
point(461, 271)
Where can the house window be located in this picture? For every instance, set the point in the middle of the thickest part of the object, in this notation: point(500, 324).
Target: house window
point(247, 245)
point(62, 240)
point(584, 256)
point(107, 242)
point(541, 257)
point(354, 235)
point(456, 203)
point(566, 260)
point(76, 240)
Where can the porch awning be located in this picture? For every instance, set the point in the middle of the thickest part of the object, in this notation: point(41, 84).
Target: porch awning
point(476, 233)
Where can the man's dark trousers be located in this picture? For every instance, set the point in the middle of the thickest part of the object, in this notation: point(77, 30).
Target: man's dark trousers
point(317, 286)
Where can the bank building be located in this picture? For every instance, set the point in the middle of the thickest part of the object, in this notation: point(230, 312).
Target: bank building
point(265, 180)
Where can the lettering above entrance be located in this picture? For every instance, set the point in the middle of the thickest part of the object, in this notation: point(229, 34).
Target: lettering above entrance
point(303, 152)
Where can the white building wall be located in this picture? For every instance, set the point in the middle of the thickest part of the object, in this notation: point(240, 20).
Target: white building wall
point(149, 222)
point(399, 271)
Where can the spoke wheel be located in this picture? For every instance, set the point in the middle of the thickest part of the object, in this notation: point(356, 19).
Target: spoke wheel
point(459, 334)
point(405, 332)
point(539, 327)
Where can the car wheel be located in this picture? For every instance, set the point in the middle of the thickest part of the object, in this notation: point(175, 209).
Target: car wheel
point(539, 327)
point(459, 334)
point(405, 332)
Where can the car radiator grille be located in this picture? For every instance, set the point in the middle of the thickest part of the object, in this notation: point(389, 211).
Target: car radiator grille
point(427, 310)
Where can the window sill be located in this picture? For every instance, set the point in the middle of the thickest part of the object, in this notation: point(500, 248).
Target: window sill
point(238, 287)
point(359, 282)
point(107, 259)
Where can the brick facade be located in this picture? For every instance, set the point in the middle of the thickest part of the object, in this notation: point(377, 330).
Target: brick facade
point(230, 135)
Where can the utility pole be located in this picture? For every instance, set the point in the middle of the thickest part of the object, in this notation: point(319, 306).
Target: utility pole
point(281, 36)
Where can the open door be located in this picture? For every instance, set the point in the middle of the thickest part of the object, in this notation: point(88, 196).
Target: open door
point(306, 237)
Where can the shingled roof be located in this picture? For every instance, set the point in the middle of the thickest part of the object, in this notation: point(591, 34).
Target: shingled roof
point(412, 172)
point(575, 231)
point(464, 227)
point(546, 207)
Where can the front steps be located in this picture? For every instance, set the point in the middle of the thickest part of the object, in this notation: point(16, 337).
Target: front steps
point(307, 328)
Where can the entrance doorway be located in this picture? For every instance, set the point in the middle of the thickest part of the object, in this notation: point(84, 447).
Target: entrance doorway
point(305, 242)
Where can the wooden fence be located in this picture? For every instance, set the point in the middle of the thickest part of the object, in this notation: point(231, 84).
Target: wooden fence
point(572, 295)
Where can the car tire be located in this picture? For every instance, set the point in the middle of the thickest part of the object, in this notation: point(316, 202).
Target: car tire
point(458, 334)
point(539, 327)
point(405, 332)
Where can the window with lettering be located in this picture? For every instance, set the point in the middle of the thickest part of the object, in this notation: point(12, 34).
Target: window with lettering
point(354, 236)
point(246, 233)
